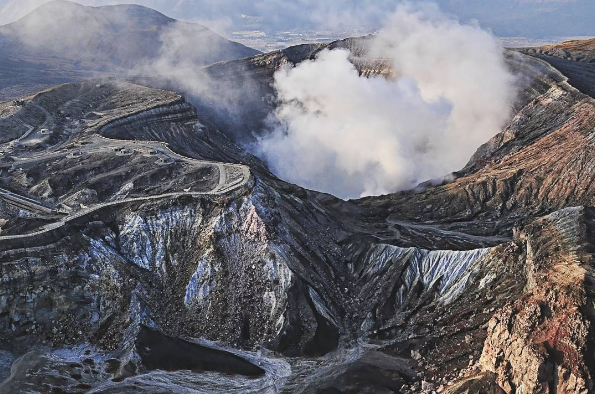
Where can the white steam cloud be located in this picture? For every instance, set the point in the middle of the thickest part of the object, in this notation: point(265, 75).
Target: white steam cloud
point(349, 135)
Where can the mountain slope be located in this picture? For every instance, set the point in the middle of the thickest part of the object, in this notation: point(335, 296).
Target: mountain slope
point(132, 232)
point(63, 41)
point(575, 59)
point(544, 160)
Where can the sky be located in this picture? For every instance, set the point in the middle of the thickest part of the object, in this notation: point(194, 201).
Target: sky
point(527, 18)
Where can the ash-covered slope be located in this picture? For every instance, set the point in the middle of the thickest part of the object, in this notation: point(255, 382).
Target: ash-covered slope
point(575, 59)
point(63, 41)
point(149, 259)
point(171, 241)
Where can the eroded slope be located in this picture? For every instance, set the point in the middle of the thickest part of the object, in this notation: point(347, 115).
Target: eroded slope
point(460, 285)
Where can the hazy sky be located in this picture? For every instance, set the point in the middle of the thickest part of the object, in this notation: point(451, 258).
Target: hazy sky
point(530, 18)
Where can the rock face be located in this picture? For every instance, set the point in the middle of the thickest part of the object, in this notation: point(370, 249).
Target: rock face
point(543, 343)
point(137, 241)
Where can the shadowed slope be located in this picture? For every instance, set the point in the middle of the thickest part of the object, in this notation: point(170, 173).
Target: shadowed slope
point(63, 41)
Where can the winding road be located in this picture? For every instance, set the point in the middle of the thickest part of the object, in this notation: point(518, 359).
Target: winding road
point(30, 128)
point(231, 177)
point(222, 187)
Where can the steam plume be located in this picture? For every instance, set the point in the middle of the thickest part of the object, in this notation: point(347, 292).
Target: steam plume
point(343, 133)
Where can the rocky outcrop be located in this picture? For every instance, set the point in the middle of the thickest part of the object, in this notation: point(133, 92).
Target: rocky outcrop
point(543, 343)
point(574, 50)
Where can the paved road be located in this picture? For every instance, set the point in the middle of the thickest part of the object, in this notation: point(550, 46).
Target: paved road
point(231, 177)
point(30, 130)
point(27, 133)
point(221, 188)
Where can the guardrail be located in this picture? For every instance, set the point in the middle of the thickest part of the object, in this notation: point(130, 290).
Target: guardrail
point(25, 202)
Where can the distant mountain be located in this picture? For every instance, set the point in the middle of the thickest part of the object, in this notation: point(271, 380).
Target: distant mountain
point(63, 41)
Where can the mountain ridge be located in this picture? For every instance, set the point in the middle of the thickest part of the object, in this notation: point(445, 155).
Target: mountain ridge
point(64, 41)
